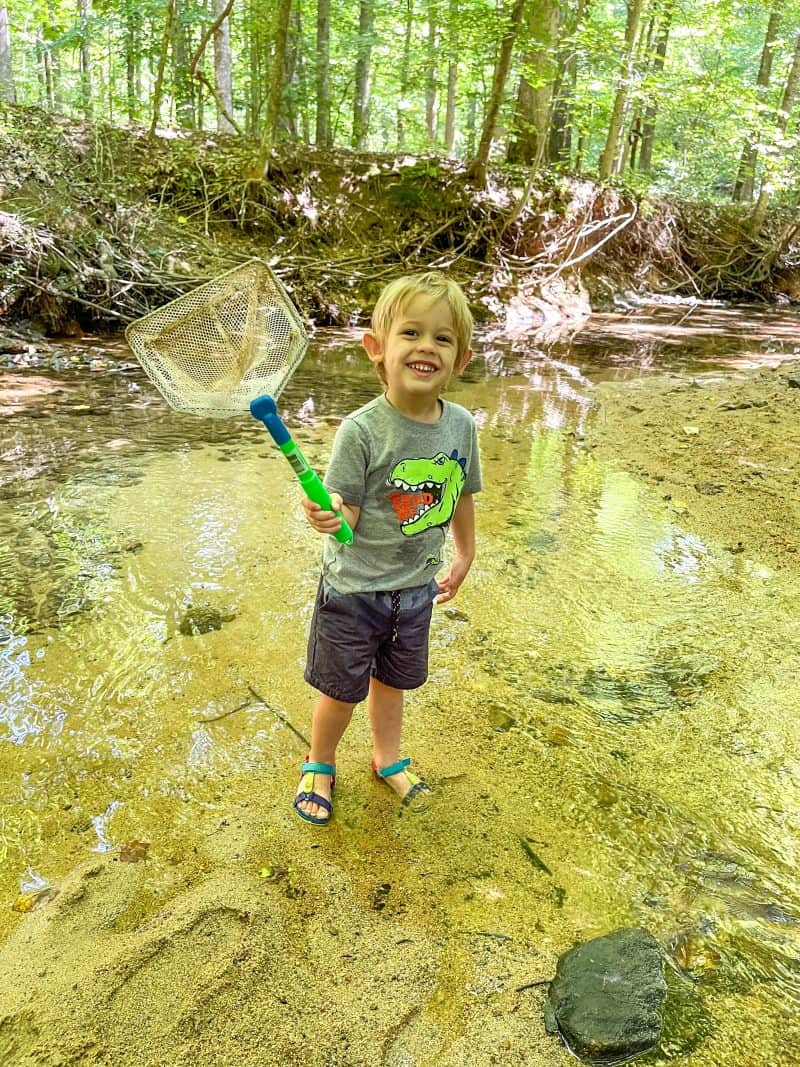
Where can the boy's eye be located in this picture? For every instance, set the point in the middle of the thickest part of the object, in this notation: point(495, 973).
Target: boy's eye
point(409, 333)
point(445, 339)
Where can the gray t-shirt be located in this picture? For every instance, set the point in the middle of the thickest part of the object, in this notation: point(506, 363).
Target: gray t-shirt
point(406, 477)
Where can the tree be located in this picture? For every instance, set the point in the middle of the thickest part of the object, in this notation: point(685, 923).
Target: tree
point(323, 128)
point(608, 157)
point(223, 82)
point(84, 15)
point(648, 128)
point(514, 22)
point(431, 72)
point(158, 88)
point(361, 96)
point(452, 78)
point(133, 74)
point(559, 148)
point(535, 93)
point(781, 145)
point(745, 179)
point(182, 88)
point(275, 92)
point(7, 91)
point(405, 73)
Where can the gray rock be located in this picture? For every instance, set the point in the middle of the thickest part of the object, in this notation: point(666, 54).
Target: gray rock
point(202, 619)
point(607, 996)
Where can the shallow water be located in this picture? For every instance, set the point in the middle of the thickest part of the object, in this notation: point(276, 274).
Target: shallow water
point(639, 683)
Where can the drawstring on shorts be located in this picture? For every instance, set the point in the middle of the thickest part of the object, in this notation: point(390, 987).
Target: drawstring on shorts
point(395, 614)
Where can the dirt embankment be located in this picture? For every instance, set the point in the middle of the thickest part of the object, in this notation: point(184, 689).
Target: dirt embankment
point(99, 224)
point(724, 451)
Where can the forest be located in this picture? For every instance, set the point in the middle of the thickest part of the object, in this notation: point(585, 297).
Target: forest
point(696, 98)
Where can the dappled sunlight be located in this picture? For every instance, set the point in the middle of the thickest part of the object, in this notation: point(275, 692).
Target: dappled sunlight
point(619, 670)
point(701, 335)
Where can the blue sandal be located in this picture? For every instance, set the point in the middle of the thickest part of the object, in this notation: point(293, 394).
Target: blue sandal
point(418, 796)
point(307, 772)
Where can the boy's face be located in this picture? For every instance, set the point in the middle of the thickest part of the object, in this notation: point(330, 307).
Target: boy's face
point(419, 354)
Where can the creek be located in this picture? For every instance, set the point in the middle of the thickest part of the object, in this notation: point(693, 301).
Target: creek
point(633, 686)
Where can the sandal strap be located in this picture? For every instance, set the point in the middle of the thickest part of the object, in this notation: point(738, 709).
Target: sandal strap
point(418, 787)
point(395, 768)
point(315, 798)
point(318, 768)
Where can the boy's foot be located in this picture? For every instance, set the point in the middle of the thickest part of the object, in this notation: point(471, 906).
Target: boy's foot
point(312, 800)
point(413, 791)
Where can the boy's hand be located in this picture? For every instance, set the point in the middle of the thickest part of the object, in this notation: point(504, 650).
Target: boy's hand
point(326, 522)
point(450, 584)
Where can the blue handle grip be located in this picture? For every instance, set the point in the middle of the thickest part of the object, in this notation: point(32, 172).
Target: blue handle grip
point(265, 410)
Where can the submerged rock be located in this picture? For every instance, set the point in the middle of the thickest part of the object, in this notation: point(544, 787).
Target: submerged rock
point(201, 619)
point(607, 996)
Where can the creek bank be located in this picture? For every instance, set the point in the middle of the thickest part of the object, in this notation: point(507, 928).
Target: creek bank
point(101, 224)
point(268, 946)
point(722, 451)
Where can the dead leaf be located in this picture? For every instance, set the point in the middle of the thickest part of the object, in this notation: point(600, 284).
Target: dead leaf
point(134, 851)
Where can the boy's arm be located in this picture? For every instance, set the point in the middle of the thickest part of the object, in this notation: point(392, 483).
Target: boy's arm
point(326, 522)
point(463, 527)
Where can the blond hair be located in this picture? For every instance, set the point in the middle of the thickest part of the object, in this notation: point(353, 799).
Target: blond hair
point(397, 295)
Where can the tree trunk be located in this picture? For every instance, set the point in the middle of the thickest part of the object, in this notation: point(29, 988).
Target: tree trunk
point(649, 119)
point(745, 179)
point(559, 149)
point(50, 35)
point(366, 23)
point(471, 124)
point(787, 103)
point(133, 76)
point(158, 87)
point(7, 91)
point(84, 13)
point(323, 127)
point(275, 93)
point(223, 81)
point(405, 70)
point(452, 78)
point(182, 87)
point(431, 73)
point(299, 125)
point(609, 154)
point(535, 93)
point(481, 162)
point(45, 74)
point(255, 51)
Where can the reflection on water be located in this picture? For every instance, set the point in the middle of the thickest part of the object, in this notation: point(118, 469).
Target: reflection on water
point(643, 681)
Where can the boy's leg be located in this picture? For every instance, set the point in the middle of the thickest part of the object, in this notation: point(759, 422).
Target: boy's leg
point(331, 719)
point(386, 717)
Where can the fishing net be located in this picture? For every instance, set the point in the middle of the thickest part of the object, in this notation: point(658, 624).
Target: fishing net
point(219, 346)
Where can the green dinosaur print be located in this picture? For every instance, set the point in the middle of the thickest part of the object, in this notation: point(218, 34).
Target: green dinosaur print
point(427, 491)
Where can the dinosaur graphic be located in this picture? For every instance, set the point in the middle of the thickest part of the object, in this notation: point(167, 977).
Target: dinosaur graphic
point(428, 491)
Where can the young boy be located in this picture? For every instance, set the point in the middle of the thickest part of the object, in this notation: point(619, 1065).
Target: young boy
point(403, 469)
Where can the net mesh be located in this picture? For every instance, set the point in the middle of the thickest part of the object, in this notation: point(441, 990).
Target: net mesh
point(217, 347)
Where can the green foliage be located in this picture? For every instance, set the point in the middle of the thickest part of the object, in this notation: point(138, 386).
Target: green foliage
point(704, 100)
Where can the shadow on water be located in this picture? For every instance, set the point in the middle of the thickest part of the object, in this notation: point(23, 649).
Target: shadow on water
point(624, 684)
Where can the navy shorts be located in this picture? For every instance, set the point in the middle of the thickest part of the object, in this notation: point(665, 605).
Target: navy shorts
point(355, 636)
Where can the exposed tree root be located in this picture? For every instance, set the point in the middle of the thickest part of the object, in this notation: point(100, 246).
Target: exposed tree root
point(102, 225)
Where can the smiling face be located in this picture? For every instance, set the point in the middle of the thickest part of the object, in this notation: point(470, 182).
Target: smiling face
point(418, 356)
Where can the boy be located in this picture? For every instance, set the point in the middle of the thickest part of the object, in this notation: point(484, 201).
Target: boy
point(403, 469)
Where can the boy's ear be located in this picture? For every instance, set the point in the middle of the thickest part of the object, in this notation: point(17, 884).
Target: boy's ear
point(461, 364)
point(372, 346)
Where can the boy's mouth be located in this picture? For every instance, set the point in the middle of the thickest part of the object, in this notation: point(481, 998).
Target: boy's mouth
point(422, 368)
